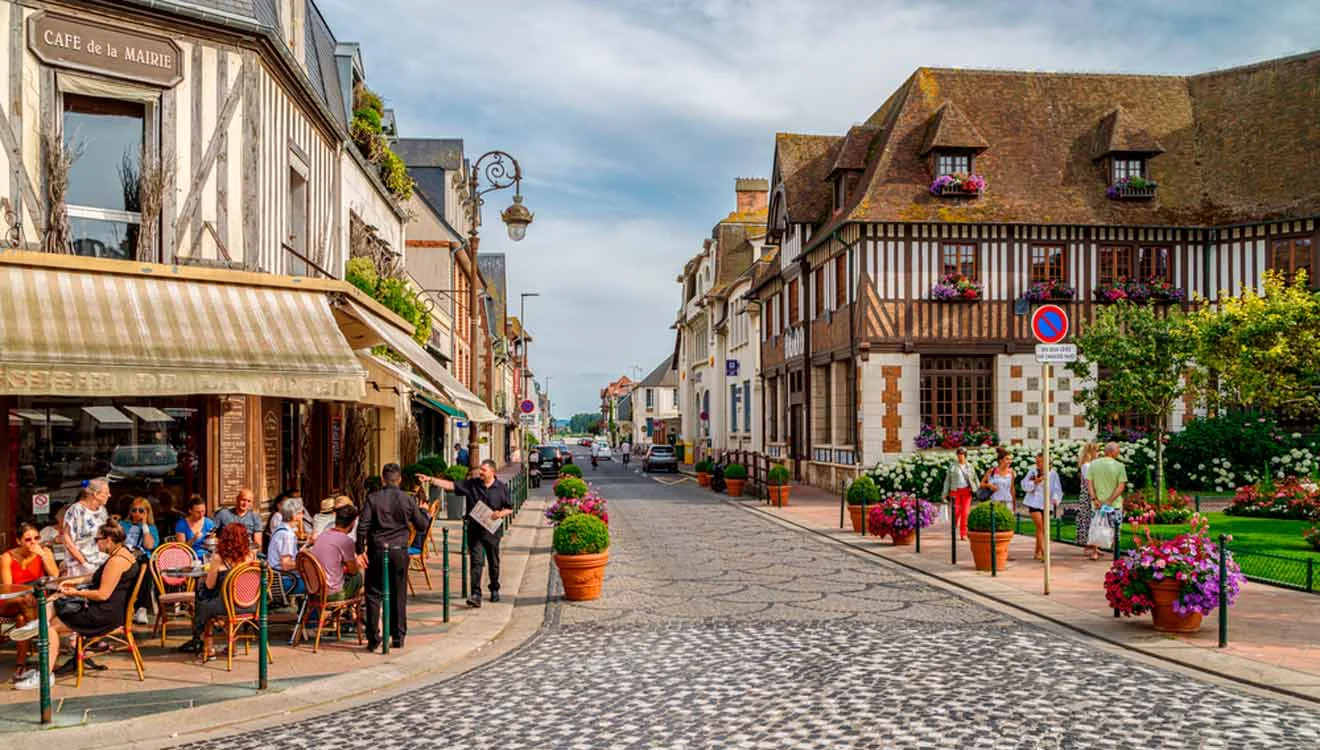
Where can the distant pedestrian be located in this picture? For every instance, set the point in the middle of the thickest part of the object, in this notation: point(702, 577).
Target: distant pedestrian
point(626, 450)
point(1037, 480)
point(1108, 480)
point(959, 480)
point(461, 455)
point(1088, 454)
point(388, 516)
point(482, 486)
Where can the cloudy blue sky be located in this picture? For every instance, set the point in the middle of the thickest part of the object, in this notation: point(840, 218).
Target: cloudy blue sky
point(632, 118)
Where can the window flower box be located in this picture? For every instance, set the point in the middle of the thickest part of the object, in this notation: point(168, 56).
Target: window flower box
point(965, 185)
point(1157, 290)
point(1051, 290)
point(954, 287)
point(962, 436)
point(1132, 188)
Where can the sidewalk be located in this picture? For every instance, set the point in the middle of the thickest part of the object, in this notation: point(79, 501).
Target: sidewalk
point(180, 695)
point(1274, 633)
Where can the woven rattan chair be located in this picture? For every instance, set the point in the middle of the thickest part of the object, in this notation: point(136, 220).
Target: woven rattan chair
point(121, 635)
point(242, 590)
point(313, 574)
point(173, 590)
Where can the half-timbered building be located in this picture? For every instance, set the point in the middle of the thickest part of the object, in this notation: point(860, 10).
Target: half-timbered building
point(1022, 184)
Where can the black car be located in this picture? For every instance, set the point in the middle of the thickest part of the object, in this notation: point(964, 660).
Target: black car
point(550, 457)
point(660, 458)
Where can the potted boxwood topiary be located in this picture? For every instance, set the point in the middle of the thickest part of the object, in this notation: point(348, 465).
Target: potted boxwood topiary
point(570, 487)
point(978, 533)
point(581, 545)
point(735, 478)
point(862, 492)
point(456, 473)
point(570, 470)
point(704, 468)
point(777, 485)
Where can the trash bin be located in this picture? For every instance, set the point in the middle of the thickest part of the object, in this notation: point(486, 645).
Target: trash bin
point(454, 506)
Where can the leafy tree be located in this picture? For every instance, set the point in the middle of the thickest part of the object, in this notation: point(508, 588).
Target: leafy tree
point(1145, 357)
point(1264, 348)
point(583, 423)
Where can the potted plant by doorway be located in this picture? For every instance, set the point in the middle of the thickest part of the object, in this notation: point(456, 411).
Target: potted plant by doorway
point(777, 485)
point(704, 468)
point(735, 478)
point(581, 544)
point(978, 533)
point(862, 492)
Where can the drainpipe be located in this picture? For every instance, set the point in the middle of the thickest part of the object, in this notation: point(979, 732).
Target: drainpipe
point(807, 367)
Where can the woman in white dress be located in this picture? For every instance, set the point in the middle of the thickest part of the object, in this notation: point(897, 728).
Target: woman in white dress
point(1000, 479)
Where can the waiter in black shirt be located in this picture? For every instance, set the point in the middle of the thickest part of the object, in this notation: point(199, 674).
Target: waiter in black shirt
point(482, 486)
point(386, 518)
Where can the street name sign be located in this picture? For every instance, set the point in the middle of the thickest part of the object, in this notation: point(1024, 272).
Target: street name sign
point(1056, 353)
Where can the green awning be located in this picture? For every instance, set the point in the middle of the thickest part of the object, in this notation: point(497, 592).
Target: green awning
point(446, 408)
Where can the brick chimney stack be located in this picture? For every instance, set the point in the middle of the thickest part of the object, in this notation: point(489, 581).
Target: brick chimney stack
point(753, 194)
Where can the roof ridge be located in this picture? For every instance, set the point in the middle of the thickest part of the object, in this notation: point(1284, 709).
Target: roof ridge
point(1254, 65)
point(1052, 73)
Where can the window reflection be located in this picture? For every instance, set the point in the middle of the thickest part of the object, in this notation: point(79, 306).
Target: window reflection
point(103, 197)
point(97, 238)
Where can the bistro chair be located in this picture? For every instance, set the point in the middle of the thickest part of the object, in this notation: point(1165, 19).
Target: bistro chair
point(121, 635)
point(417, 556)
point(172, 591)
point(318, 594)
point(434, 510)
point(242, 590)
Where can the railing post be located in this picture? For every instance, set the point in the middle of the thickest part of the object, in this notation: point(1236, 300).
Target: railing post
point(263, 628)
point(1310, 574)
point(843, 502)
point(385, 602)
point(444, 569)
point(43, 656)
point(463, 560)
point(864, 517)
point(1197, 499)
point(994, 557)
point(953, 532)
point(919, 502)
point(1223, 590)
point(1118, 542)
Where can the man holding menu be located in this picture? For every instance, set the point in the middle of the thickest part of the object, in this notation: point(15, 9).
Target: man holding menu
point(487, 503)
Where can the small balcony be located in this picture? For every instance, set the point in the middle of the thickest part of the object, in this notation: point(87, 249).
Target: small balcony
point(1132, 188)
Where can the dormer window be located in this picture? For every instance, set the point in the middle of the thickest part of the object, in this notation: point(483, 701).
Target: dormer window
point(840, 193)
point(952, 162)
point(1126, 166)
point(1125, 147)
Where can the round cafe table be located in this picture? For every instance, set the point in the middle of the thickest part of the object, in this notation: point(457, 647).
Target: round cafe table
point(188, 572)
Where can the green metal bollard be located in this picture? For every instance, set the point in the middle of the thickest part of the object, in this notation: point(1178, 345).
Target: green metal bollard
point(953, 532)
point(444, 551)
point(864, 517)
point(385, 602)
point(919, 502)
point(463, 552)
point(43, 656)
point(263, 630)
point(1118, 542)
point(1223, 590)
point(994, 558)
point(843, 502)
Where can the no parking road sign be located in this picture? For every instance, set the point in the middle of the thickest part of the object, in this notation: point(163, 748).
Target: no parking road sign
point(1049, 324)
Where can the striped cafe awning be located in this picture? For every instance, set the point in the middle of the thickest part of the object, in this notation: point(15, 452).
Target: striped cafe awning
point(68, 332)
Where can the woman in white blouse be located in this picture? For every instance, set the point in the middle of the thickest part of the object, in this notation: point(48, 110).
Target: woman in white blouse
point(1034, 484)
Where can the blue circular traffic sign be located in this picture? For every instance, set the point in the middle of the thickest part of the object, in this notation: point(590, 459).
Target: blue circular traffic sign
point(1049, 324)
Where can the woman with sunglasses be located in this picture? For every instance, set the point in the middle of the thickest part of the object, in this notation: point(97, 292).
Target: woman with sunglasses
point(24, 564)
point(140, 536)
point(105, 599)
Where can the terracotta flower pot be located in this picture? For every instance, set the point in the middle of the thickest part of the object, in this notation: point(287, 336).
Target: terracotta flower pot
point(779, 494)
point(980, 542)
point(734, 487)
point(703, 479)
point(903, 539)
point(1165, 593)
point(582, 575)
point(855, 513)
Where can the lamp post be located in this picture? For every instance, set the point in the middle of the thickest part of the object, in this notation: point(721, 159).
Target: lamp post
point(522, 387)
point(497, 170)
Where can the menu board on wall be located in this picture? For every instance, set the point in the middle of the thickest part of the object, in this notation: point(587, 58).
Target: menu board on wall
point(270, 444)
point(233, 448)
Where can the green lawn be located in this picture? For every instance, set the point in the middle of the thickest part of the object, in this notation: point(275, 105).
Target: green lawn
point(1265, 548)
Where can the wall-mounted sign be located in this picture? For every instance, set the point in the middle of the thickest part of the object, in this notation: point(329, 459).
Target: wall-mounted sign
point(527, 406)
point(40, 504)
point(731, 368)
point(99, 48)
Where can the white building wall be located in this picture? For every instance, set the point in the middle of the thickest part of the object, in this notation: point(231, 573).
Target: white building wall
point(900, 376)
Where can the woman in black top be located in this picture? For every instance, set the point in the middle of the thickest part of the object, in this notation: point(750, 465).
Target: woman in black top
point(106, 597)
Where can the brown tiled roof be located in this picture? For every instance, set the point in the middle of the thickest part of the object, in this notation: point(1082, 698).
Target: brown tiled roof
point(856, 148)
point(765, 268)
point(950, 128)
point(803, 162)
point(1118, 132)
point(1238, 145)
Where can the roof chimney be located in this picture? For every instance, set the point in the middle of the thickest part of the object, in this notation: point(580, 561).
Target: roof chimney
point(753, 194)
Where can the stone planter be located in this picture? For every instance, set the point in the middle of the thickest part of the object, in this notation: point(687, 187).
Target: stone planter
point(703, 479)
point(735, 487)
point(980, 543)
point(778, 494)
point(582, 575)
point(855, 513)
point(1164, 594)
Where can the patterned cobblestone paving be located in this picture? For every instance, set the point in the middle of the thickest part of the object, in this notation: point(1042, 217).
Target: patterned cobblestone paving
point(720, 629)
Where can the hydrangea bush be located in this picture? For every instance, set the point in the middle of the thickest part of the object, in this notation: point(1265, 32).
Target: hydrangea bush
point(1190, 558)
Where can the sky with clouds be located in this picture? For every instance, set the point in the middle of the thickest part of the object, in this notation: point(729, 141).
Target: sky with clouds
point(631, 118)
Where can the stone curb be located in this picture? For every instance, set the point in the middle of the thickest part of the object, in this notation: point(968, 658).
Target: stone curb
point(1272, 679)
point(526, 571)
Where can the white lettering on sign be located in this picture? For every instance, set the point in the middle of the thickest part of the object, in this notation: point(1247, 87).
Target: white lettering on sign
point(1056, 353)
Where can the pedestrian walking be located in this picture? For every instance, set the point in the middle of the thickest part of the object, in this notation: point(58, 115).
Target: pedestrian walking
point(483, 546)
point(1088, 454)
point(1108, 480)
point(460, 454)
point(626, 450)
point(386, 517)
point(959, 480)
point(1000, 481)
point(1038, 478)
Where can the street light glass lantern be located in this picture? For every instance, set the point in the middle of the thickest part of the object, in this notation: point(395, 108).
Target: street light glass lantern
point(517, 217)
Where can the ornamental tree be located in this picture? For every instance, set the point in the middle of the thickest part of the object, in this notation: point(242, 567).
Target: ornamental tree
point(1144, 356)
point(1264, 348)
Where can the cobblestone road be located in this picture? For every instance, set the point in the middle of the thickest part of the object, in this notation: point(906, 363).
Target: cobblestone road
point(721, 629)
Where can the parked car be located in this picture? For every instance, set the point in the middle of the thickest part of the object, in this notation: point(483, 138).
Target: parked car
point(603, 452)
point(660, 458)
point(143, 462)
point(585, 442)
point(551, 458)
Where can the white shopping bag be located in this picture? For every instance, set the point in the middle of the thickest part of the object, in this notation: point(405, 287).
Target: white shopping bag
point(1101, 533)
